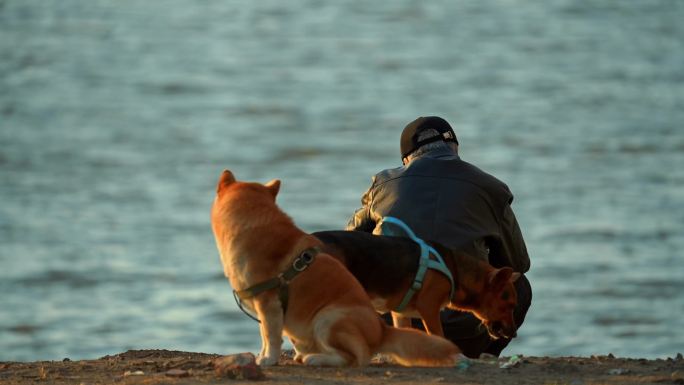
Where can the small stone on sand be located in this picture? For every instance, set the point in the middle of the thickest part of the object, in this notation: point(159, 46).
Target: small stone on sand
point(177, 373)
point(240, 366)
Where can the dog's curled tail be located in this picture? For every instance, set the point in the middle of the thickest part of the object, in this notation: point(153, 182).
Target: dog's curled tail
point(411, 347)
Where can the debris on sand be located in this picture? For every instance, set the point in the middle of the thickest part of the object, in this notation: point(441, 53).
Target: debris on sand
point(240, 366)
point(512, 362)
point(129, 373)
point(618, 371)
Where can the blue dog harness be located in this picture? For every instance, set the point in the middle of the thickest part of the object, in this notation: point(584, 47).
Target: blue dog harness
point(395, 227)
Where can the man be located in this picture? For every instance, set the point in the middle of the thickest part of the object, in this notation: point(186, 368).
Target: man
point(447, 200)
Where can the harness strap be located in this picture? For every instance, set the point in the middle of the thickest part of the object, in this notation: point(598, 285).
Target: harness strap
point(299, 264)
point(425, 262)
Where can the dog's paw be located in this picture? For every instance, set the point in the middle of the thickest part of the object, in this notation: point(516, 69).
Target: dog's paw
point(382, 359)
point(263, 360)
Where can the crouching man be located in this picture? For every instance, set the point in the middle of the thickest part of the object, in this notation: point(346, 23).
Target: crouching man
point(445, 199)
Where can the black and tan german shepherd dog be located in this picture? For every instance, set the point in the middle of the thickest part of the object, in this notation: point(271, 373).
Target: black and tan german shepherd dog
point(386, 267)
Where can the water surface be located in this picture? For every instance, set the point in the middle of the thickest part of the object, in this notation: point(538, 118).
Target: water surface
point(116, 119)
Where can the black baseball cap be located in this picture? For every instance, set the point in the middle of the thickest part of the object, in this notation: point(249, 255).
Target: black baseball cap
point(409, 137)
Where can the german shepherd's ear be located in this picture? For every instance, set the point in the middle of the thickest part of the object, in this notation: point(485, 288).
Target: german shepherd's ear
point(500, 277)
point(225, 179)
point(273, 187)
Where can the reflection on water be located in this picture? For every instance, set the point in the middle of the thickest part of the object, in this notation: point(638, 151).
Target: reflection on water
point(116, 120)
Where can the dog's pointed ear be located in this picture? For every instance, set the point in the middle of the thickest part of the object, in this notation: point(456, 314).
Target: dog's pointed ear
point(273, 187)
point(501, 276)
point(225, 179)
point(515, 277)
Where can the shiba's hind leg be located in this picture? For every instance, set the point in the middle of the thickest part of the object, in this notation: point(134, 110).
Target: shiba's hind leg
point(344, 347)
point(341, 340)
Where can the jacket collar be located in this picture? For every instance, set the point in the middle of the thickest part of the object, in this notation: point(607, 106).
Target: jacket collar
point(440, 153)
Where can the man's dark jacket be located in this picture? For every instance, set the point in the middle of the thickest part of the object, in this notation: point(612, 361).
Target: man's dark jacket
point(444, 199)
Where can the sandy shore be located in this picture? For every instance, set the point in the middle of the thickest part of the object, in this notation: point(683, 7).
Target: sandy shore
point(173, 367)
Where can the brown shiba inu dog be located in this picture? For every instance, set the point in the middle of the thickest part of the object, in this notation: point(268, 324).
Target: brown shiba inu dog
point(386, 267)
point(306, 294)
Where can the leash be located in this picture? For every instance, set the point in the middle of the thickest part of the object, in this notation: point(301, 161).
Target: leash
point(424, 263)
point(299, 264)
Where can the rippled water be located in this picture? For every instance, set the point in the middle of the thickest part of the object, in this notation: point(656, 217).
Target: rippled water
point(116, 119)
